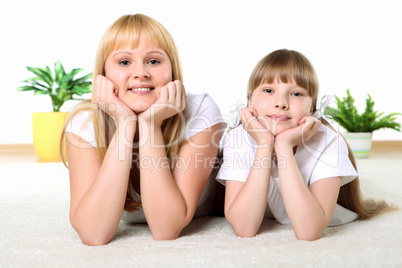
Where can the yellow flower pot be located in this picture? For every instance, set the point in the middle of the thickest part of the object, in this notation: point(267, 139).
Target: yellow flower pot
point(46, 130)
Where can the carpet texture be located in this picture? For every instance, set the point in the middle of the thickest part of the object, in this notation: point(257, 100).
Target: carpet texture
point(35, 231)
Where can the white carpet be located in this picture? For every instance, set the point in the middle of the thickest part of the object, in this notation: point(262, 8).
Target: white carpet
point(35, 231)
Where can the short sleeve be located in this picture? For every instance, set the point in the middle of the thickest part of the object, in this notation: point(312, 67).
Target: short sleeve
point(82, 125)
point(201, 113)
point(328, 157)
point(334, 162)
point(238, 156)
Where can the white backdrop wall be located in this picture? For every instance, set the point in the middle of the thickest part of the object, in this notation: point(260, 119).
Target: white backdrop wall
point(352, 44)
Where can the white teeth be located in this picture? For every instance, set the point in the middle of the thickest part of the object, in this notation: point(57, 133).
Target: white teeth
point(141, 89)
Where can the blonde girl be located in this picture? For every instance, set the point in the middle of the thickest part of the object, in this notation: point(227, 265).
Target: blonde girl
point(142, 149)
point(284, 163)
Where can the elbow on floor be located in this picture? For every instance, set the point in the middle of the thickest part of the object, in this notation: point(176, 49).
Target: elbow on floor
point(168, 231)
point(165, 235)
point(242, 230)
point(95, 240)
point(244, 233)
point(308, 236)
point(91, 237)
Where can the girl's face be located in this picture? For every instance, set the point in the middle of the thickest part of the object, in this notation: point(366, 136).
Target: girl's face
point(283, 103)
point(139, 73)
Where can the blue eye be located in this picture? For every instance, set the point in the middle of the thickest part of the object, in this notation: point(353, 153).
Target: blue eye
point(268, 90)
point(124, 62)
point(153, 62)
point(297, 94)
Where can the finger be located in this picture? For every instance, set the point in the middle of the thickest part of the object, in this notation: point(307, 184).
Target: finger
point(316, 125)
point(163, 97)
point(310, 127)
point(103, 88)
point(249, 120)
point(308, 120)
point(254, 113)
point(313, 124)
point(265, 121)
point(180, 97)
point(96, 88)
point(248, 111)
point(179, 92)
point(100, 92)
point(244, 114)
point(171, 92)
point(109, 91)
point(115, 90)
point(184, 98)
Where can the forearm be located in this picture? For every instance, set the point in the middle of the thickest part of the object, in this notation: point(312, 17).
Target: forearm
point(304, 211)
point(247, 209)
point(163, 203)
point(97, 215)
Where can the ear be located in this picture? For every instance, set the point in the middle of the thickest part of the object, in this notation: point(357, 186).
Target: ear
point(249, 102)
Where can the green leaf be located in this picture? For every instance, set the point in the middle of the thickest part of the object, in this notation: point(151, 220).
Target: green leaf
point(61, 88)
point(26, 88)
point(59, 71)
point(43, 74)
point(84, 79)
point(69, 76)
point(370, 120)
point(37, 83)
point(82, 88)
point(41, 92)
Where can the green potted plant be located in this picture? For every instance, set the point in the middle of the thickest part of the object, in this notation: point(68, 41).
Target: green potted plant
point(360, 126)
point(61, 87)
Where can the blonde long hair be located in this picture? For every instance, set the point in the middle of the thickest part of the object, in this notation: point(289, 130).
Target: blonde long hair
point(288, 65)
point(127, 29)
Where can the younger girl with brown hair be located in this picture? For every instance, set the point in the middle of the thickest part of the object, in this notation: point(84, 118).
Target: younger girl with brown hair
point(284, 163)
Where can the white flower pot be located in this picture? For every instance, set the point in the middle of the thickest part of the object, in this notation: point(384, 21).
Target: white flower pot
point(359, 142)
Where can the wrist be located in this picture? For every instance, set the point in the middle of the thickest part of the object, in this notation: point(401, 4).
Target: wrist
point(149, 133)
point(125, 128)
point(149, 121)
point(265, 141)
point(263, 158)
point(123, 120)
point(266, 146)
point(283, 148)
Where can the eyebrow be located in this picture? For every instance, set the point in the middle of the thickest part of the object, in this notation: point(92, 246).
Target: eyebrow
point(121, 52)
point(161, 52)
point(157, 51)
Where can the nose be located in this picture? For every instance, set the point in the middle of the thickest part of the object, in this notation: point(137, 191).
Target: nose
point(141, 72)
point(281, 103)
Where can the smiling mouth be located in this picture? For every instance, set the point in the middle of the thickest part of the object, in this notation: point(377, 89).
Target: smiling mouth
point(141, 89)
point(279, 117)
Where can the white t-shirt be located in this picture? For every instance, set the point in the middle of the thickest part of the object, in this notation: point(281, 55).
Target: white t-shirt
point(324, 155)
point(201, 112)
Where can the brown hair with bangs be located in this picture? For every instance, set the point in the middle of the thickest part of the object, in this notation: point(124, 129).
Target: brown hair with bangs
point(127, 30)
point(287, 66)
